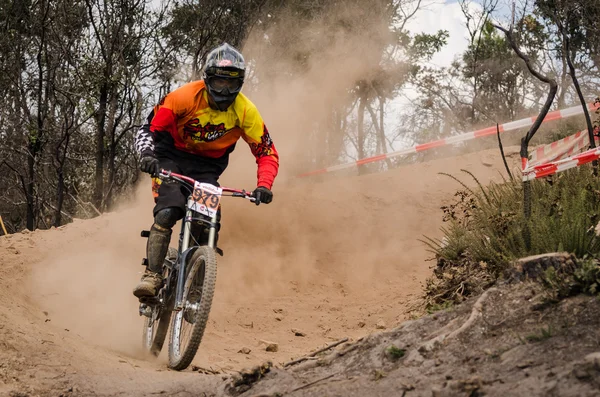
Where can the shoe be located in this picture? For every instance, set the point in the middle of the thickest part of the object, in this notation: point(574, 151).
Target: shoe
point(149, 285)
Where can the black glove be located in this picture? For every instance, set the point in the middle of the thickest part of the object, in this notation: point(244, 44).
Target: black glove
point(262, 195)
point(149, 164)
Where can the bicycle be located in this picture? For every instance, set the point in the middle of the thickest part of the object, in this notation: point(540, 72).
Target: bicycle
point(189, 274)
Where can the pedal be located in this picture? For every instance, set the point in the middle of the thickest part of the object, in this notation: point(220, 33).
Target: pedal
point(145, 310)
point(145, 262)
point(145, 233)
point(219, 251)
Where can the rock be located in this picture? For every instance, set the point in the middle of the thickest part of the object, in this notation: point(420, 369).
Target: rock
point(581, 374)
point(534, 266)
point(25, 231)
point(273, 347)
point(414, 358)
point(487, 161)
point(550, 387)
point(380, 324)
point(244, 350)
point(269, 346)
point(361, 324)
point(593, 359)
point(297, 332)
point(514, 355)
point(436, 391)
point(525, 364)
point(278, 318)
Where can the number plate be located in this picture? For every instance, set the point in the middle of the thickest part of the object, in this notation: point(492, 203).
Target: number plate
point(205, 199)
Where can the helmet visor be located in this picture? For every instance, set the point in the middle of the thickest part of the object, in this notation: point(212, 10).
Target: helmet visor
point(220, 84)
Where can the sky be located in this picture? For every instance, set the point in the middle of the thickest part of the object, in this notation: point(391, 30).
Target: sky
point(436, 15)
point(442, 15)
point(447, 15)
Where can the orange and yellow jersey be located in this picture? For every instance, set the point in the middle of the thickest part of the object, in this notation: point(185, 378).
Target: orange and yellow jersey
point(184, 121)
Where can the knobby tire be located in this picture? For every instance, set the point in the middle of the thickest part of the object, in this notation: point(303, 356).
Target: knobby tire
point(203, 261)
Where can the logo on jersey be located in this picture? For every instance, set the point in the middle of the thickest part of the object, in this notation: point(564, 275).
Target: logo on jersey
point(264, 147)
point(192, 130)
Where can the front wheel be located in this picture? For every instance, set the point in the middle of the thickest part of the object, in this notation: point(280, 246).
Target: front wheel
point(188, 324)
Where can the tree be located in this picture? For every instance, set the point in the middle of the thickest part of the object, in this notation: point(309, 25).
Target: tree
point(576, 33)
point(195, 27)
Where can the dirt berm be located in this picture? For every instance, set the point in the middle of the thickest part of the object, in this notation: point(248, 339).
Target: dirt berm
point(331, 260)
point(503, 343)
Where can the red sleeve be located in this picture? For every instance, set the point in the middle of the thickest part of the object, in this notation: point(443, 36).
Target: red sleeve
point(257, 136)
point(268, 166)
point(164, 121)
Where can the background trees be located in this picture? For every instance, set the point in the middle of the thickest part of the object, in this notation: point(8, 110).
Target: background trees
point(79, 76)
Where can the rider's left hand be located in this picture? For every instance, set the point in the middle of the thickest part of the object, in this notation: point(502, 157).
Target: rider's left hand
point(262, 195)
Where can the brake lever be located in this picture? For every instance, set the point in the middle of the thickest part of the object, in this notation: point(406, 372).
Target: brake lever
point(249, 196)
point(164, 174)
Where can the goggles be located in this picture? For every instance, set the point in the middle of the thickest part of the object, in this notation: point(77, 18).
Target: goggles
point(219, 84)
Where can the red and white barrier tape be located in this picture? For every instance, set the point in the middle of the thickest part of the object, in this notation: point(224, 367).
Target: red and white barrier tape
point(560, 149)
point(511, 126)
point(554, 167)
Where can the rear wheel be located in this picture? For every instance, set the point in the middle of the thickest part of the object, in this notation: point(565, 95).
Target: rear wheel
point(188, 324)
point(156, 324)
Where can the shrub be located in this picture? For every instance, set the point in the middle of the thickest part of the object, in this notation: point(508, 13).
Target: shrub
point(486, 231)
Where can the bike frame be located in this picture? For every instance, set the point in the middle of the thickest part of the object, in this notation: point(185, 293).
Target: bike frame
point(185, 251)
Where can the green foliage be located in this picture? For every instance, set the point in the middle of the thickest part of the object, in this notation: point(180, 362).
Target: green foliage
point(497, 73)
point(486, 227)
point(583, 278)
point(434, 307)
point(395, 353)
point(545, 333)
point(424, 46)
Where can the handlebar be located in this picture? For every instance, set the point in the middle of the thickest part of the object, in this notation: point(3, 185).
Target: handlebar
point(170, 175)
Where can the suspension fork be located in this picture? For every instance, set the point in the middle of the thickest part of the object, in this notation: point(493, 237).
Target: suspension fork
point(186, 253)
point(186, 229)
point(212, 232)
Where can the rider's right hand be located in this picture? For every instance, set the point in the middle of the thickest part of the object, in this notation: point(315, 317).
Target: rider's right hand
point(149, 164)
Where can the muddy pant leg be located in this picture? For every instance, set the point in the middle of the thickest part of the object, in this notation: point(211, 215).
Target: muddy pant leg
point(160, 236)
point(170, 202)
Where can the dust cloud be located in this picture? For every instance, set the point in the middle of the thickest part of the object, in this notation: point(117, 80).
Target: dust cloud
point(348, 246)
point(85, 280)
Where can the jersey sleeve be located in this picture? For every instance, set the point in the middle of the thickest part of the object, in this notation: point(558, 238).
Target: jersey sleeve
point(144, 140)
point(172, 106)
point(262, 147)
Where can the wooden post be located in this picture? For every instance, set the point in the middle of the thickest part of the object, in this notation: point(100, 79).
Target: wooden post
point(3, 227)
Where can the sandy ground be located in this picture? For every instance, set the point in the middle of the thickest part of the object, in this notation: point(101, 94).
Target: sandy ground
point(331, 259)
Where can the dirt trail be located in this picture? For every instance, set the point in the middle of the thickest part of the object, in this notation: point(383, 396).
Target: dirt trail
point(330, 259)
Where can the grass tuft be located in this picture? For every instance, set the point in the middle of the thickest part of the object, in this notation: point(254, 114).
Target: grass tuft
point(395, 353)
point(545, 333)
point(485, 229)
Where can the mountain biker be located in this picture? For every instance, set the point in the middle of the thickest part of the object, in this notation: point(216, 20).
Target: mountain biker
point(192, 131)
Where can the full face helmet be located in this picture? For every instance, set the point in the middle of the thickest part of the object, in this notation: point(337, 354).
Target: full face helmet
point(224, 75)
